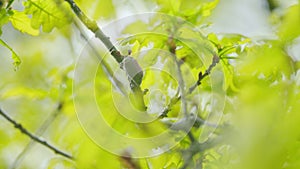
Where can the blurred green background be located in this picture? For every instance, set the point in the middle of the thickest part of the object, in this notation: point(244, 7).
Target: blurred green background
point(262, 86)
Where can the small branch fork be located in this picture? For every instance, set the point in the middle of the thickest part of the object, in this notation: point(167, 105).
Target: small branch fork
point(195, 145)
point(92, 26)
point(201, 76)
point(33, 137)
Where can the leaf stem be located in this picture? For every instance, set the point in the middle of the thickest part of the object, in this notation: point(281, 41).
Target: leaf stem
point(16, 59)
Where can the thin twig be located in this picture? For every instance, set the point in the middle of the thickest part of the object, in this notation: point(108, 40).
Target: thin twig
point(39, 132)
point(196, 148)
point(127, 161)
point(201, 76)
point(191, 136)
point(189, 153)
point(9, 4)
point(33, 137)
point(172, 49)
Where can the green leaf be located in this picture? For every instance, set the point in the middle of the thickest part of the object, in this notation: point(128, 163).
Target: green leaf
point(229, 76)
point(99, 9)
point(266, 60)
point(48, 14)
point(3, 18)
point(169, 6)
point(22, 23)
point(14, 56)
point(105, 9)
point(192, 11)
point(208, 7)
point(136, 47)
point(25, 92)
point(59, 162)
point(190, 57)
point(289, 29)
point(138, 26)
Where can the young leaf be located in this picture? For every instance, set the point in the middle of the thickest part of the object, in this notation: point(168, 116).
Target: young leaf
point(14, 56)
point(99, 9)
point(22, 23)
point(138, 26)
point(25, 92)
point(104, 9)
point(289, 28)
point(208, 7)
point(48, 13)
point(3, 18)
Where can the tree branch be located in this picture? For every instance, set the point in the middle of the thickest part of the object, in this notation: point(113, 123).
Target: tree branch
point(39, 132)
point(33, 137)
point(92, 26)
point(172, 48)
point(109, 72)
point(9, 4)
point(201, 76)
point(196, 148)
